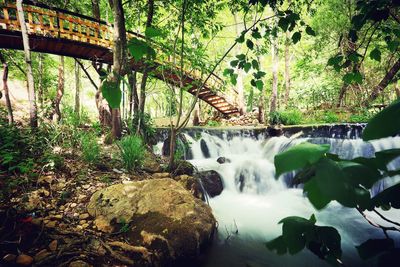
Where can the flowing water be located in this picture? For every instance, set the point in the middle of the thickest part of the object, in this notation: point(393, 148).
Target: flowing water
point(253, 201)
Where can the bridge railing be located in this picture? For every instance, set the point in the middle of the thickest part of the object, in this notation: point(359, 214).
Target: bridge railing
point(58, 23)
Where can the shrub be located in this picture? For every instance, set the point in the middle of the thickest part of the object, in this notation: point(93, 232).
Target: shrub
point(287, 117)
point(330, 117)
point(90, 147)
point(146, 126)
point(132, 151)
point(212, 123)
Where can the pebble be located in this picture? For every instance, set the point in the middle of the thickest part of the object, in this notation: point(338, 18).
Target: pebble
point(24, 260)
point(86, 186)
point(78, 263)
point(57, 217)
point(84, 216)
point(82, 222)
point(85, 225)
point(73, 205)
point(53, 245)
point(51, 224)
point(75, 214)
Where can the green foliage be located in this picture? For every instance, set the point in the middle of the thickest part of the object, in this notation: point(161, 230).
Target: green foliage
point(131, 151)
point(89, 146)
point(385, 123)
point(330, 117)
point(212, 123)
point(147, 129)
point(286, 117)
point(139, 48)
point(326, 177)
point(298, 233)
point(112, 93)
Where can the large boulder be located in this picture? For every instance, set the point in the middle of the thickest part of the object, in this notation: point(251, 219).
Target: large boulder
point(162, 216)
point(212, 182)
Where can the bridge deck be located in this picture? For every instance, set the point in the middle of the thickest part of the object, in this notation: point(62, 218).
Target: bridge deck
point(61, 32)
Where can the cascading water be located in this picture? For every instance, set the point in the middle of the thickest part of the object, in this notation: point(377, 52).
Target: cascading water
point(253, 202)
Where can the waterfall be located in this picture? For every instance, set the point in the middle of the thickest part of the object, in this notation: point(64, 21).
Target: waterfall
point(253, 201)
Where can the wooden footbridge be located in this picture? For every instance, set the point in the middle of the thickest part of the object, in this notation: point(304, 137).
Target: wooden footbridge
point(61, 32)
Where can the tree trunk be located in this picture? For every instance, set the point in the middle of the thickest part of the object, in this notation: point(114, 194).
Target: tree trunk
point(119, 60)
point(383, 84)
point(29, 72)
point(149, 21)
point(196, 115)
point(275, 62)
point(40, 81)
point(5, 89)
point(77, 88)
point(60, 89)
point(397, 90)
point(96, 9)
point(172, 145)
point(287, 69)
point(133, 96)
point(239, 82)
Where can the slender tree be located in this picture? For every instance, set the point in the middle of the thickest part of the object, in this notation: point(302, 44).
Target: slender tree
point(275, 62)
point(77, 88)
point(119, 60)
point(287, 69)
point(239, 82)
point(5, 89)
point(29, 72)
point(60, 90)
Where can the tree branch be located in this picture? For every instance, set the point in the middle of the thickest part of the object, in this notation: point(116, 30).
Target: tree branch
point(86, 73)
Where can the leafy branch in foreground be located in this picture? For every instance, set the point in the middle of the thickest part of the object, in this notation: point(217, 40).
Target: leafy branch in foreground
point(326, 177)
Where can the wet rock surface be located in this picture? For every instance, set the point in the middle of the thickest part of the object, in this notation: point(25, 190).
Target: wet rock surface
point(161, 215)
point(211, 181)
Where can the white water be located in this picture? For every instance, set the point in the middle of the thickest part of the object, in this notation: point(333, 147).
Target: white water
point(253, 202)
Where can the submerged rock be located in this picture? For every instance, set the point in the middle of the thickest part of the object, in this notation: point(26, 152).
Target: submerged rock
point(162, 216)
point(211, 181)
point(222, 160)
point(204, 149)
point(182, 167)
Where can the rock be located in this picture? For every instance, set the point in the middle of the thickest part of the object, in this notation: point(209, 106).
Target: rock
point(204, 148)
point(151, 163)
point(48, 179)
point(211, 181)
point(85, 225)
point(178, 224)
point(86, 186)
point(9, 258)
point(222, 160)
point(53, 245)
point(24, 260)
point(103, 225)
point(181, 167)
point(51, 224)
point(79, 263)
point(82, 222)
point(44, 253)
point(84, 216)
point(181, 144)
point(191, 184)
point(161, 175)
point(73, 205)
point(34, 201)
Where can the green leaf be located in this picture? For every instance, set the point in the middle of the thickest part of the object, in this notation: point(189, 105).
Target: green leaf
point(357, 77)
point(234, 63)
point(354, 57)
point(240, 39)
point(234, 79)
point(152, 32)
point(375, 54)
point(296, 37)
point(283, 23)
point(310, 31)
point(249, 44)
point(385, 123)
point(241, 57)
point(111, 93)
point(256, 34)
point(298, 157)
point(228, 72)
point(373, 247)
point(348, 78)
point(247, 67)
point(137, 48)
point(393, 45)
point(389, 196)
point(335, 60)
point(255, 64)
point(259, 84)
point(359, 174)
point(315, 196)
point(277, 244)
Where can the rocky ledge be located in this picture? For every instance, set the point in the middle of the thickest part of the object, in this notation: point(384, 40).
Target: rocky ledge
point(159, 215)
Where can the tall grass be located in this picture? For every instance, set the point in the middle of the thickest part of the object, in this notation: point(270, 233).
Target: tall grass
point(90, 147)
point(132, 151)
